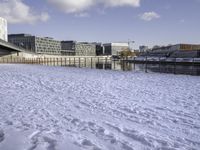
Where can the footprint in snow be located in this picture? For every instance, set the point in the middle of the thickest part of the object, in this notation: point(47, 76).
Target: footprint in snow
point(88, 143)
point(51, 143)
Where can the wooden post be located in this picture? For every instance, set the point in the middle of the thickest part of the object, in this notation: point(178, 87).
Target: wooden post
point(134, 63)
point(57, 61)
point(85, 62)
point(114, 63)
point(91, 62)
point(74, 61)
point(98, 61)
point(47, 62)
point(79, 61)
point(65, 61)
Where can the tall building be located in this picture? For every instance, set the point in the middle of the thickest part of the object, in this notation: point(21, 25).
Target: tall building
point(36, 44)
point(3, 29)
point(114, 48)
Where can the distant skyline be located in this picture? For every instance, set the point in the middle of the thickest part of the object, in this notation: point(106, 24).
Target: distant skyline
point(147, 22)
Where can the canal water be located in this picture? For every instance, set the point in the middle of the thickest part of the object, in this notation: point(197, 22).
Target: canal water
point(108, 64)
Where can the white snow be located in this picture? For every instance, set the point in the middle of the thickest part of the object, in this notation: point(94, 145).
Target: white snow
point(60, 108)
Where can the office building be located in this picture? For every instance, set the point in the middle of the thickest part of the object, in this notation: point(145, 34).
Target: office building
point(3, 29)
point(36, 44)
point(85, 49)
point(114, 48)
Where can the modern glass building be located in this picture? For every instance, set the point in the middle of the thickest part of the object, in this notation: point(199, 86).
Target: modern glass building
point(114, 48)
point(68, 47)
point(3, 29)
point(36, 44)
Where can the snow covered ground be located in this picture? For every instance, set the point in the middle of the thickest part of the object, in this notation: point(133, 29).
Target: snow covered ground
point(57, 108)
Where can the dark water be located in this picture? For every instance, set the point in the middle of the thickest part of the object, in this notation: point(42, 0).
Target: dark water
point(108, 64)
point(123, 66)
point(178, 69)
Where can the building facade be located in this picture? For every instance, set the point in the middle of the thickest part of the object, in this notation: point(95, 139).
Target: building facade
point(68, 47)
point(114, 48)
point(36, 44)
point(3, 29)
point(143, 48)
point(99, 49)
point(175, 51)
point(85, 49)
point(177, 47)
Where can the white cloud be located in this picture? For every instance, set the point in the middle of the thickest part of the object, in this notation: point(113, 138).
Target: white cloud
point(15, 11)
point(75, 6)
point(148, 16)
point(116, 3)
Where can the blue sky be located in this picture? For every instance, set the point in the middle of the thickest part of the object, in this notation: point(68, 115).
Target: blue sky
point(147, 22)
